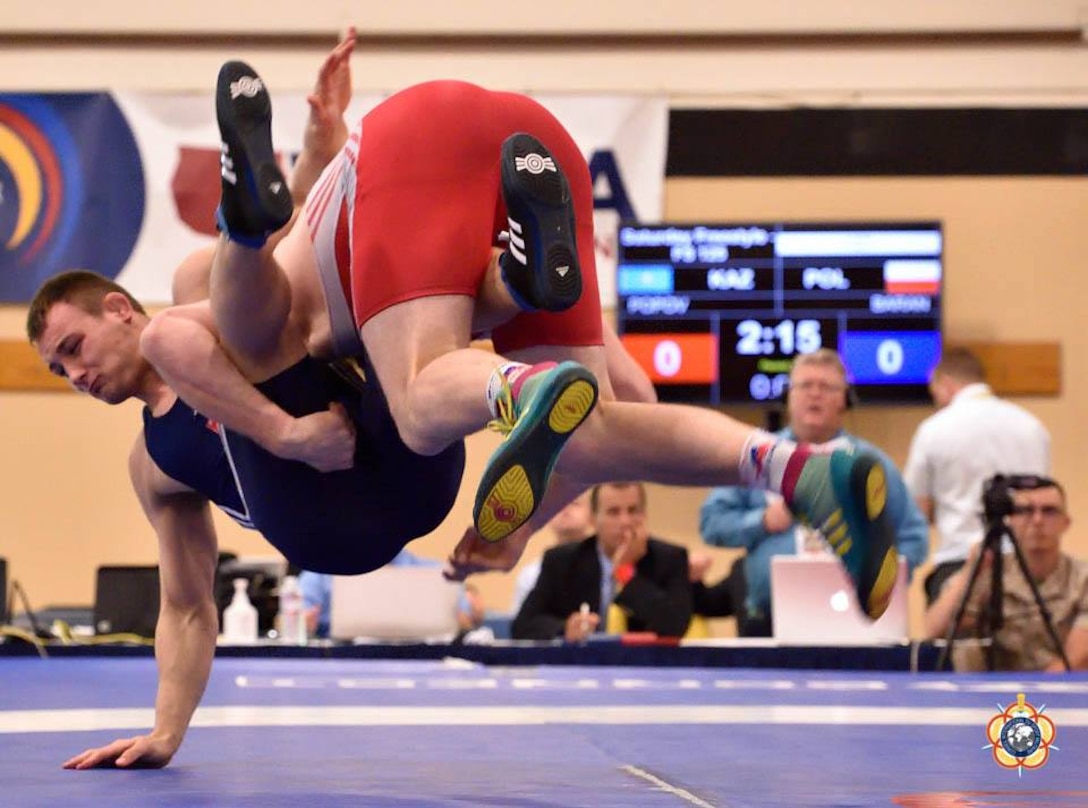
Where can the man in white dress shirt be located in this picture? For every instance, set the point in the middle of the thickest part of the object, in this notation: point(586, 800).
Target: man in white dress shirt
point(973, 436)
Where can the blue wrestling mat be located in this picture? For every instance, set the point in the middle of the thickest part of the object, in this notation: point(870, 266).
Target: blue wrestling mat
point(405, 734)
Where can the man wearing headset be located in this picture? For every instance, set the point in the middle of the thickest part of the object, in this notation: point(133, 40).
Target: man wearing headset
point(819, 396)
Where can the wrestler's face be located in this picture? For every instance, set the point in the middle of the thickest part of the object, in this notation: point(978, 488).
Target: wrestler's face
point(98, 354)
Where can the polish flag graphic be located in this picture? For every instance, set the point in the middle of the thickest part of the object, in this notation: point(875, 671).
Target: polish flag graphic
point(903, 277)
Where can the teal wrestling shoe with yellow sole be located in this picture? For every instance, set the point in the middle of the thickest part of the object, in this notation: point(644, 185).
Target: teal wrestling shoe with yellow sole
point(538, 413)
point(844, 495)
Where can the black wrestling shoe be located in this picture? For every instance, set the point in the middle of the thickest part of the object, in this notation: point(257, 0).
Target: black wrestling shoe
point(540, 265)
point(255, 199)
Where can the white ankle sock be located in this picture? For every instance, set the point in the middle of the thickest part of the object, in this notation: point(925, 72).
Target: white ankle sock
point(763, 460)
point(495, 383)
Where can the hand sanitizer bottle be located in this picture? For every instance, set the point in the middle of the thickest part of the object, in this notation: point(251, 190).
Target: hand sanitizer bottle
point(240, 617)
point(292, 619)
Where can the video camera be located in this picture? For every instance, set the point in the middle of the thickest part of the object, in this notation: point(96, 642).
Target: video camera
point(996, 497)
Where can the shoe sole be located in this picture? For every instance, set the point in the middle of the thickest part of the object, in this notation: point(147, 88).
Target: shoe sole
point(517, 476)
point(538, 203)
point(244, 113)
point(875, 576)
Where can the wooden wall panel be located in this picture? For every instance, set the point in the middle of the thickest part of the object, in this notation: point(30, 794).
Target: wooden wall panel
point(21, 370)
point(1014, 369)
point(1021, 368)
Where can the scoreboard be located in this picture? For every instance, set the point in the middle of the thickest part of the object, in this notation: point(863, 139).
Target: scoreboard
point(716, 313)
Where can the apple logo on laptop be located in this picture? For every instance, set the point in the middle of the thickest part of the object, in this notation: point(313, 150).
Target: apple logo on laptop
point(840, 601)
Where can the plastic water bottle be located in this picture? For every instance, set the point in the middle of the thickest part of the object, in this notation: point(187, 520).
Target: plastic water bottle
point(292, 620)
point(240, 617)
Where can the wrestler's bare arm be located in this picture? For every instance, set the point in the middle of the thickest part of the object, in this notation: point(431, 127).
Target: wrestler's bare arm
point(325, 131)
point(182, 344)
point(188, 623)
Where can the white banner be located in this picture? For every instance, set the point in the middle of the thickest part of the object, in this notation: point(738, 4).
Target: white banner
point(623, 139)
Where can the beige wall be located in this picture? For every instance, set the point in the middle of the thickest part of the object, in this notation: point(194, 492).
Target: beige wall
point(1015, 247)
point(775, 52)
point(564, 17)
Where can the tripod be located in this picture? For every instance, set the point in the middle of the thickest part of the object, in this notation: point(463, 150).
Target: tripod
point(995, 617)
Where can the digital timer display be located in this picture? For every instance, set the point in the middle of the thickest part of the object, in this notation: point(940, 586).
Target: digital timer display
point(716, 313)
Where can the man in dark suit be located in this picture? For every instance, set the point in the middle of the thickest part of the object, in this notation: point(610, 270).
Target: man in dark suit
point(645, 578)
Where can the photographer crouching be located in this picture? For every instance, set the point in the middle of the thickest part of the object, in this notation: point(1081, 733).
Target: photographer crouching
point(1032, 512)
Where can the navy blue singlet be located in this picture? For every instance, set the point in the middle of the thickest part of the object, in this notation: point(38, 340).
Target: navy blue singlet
point(343, 522)
point(189, 448)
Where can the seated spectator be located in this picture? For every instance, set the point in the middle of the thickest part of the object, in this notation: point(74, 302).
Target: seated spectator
point(722, 599)
point(317, 597)
point(818, 399)
point(571, 524)
point(1038, 521)
point(647, 579)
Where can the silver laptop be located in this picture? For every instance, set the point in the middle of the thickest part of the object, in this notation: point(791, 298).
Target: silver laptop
point(394, 603)
point(813, 603)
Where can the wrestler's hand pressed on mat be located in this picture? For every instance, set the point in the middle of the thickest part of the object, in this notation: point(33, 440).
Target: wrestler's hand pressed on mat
point(139, 752)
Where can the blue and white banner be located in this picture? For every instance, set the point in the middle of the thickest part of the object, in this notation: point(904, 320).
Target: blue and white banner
point(72, 188)
point(126, 184)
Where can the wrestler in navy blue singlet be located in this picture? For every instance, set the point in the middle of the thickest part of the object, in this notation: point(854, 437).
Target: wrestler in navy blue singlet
point(342, 522)
point(188, 448)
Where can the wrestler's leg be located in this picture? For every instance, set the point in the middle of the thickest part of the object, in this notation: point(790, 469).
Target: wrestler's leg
point(434, 382)
point(841, 494)
point(251, 301)
point(670, 444)
point(420, 255)
point(250, 294)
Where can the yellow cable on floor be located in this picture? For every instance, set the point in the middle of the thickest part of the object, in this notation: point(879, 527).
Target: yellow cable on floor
point(65, 635)
point(27, 636)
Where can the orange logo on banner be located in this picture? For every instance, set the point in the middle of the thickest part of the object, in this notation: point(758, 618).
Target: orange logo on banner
point(1020, 736)
point(675, 358)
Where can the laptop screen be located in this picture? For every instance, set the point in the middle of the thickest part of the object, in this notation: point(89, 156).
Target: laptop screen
point(813, 603)
point(394, 603)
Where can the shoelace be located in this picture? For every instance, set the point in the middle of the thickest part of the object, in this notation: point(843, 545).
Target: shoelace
point(507, 411)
